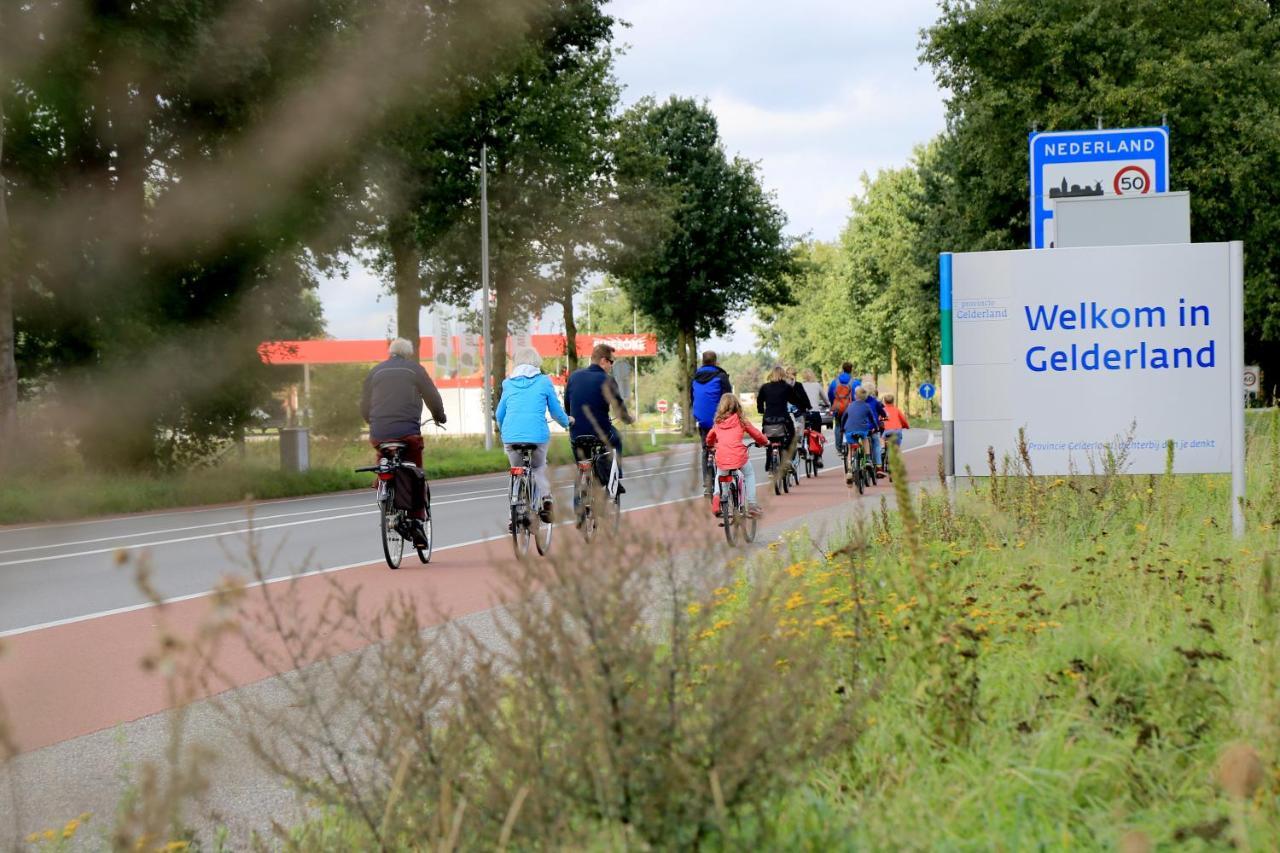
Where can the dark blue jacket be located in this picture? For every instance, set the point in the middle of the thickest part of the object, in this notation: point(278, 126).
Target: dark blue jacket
point(877, 408)
point(590, 397)
point(860, 417)
point(842, 379)
point(709, 384)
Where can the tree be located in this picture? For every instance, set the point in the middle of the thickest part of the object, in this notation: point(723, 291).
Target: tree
point(723, 248)
point(1212, 68)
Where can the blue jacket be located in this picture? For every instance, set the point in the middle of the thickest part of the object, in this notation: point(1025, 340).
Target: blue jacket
point(709, 384)
point(860, 417)
point(877, 409)
point(590, 397)
point(842, 379)
point(527, 396)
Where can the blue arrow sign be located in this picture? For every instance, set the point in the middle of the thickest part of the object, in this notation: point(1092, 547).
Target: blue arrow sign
point(1079, 163)
point(927, 391)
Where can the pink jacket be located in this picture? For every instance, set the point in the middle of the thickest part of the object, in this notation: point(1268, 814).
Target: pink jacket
point(726, 437)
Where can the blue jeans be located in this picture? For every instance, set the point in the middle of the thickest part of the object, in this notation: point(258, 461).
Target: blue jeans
point(748, 480)
point(894, 435)
point(877, 458)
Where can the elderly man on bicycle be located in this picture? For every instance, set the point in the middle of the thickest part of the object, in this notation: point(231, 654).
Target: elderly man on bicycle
point(391, 404)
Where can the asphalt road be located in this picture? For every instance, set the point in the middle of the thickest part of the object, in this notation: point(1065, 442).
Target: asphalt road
point(55, 573)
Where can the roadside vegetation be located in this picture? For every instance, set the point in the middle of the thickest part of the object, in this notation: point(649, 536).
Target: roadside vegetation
point(1089, 661)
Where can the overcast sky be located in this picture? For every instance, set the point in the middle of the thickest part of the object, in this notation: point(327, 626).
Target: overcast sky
point(815, 91)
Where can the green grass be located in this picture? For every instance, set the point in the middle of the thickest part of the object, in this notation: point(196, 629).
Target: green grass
point(1056, 667)
point(71, 492)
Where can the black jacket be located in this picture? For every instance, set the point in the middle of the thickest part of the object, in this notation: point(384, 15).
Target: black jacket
point(773, 397)
point(392, 397)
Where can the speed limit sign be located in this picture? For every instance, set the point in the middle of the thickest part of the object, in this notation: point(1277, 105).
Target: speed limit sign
point(1131, 180)
point(1251, 379)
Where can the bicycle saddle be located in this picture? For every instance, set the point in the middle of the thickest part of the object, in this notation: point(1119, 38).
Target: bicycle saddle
point(523, 446)
point(390, 445)
point(587, 441)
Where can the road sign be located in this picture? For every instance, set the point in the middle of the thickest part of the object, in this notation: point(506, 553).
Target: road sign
point(1093, 163)
point(662, 406)
point(1251, 380)
point(927, 391)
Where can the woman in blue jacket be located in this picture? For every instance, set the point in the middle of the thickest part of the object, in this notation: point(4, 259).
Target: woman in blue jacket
point(527, 397)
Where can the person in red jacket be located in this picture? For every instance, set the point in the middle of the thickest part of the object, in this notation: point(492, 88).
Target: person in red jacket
point(894, 421)
point(726, 435)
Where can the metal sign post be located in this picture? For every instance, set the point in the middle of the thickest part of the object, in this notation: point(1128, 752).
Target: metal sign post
point(485, 391)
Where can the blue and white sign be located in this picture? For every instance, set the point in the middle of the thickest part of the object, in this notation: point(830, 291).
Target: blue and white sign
point(927, 391)
point(1083, 163)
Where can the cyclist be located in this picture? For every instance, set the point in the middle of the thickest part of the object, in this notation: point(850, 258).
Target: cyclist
point(728, 430)
point(877, 452)
point(895, 422)
point(527, 397)
point(839, 395)
point(391, 403)
point(859, 422)
point(591, 396)
point(773, 401)
point(710, 383)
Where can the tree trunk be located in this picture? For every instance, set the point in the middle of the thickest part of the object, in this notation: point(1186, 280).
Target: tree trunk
point(684, 342)
point(498, 328)
point(570, 330)
point(408, 286)
point(8, 363)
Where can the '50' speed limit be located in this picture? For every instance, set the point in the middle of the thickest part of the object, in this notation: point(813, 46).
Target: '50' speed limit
point(1130, 180)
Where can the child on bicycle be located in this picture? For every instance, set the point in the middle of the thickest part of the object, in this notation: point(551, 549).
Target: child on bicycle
point(860, 421)
point(894, 423)
point(727, 435)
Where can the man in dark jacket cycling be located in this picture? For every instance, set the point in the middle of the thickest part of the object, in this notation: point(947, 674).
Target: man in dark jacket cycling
point(591, 397)
point(391, 404)
point(709, 384)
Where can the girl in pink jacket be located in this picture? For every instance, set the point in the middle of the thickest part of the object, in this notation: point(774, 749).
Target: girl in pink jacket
point(727, 436)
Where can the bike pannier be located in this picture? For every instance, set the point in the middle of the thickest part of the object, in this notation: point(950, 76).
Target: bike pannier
point(409, 490)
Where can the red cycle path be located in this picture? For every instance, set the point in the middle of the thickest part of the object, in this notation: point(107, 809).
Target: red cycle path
point(70, 680)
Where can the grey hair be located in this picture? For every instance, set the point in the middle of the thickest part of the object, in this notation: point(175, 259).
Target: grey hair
point(861, 392)
point(871, 389)
point(401, 347)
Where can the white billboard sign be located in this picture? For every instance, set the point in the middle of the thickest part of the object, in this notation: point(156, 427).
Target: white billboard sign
point(1127, 346)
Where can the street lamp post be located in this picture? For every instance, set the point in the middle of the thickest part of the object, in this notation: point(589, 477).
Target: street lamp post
point(485, 391)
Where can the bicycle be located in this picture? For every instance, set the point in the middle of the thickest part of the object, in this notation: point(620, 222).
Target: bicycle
point(812, 458)
point(526, 523)
point(708, 467)
point(394, 522)
point(588, 485)
point(734, 511)
point(887, 443)
point(773, 463)
point(858, 468)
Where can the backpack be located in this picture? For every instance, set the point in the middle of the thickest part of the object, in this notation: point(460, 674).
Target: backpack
point(844, 393)
point(816, 440)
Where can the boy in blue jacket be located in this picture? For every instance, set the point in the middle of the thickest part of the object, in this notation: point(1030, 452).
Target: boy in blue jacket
point(859, 421)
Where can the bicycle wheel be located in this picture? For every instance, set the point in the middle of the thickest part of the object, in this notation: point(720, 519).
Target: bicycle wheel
point(542, 531)
point(424, 553)
point(520, 533)
point(810, 469)
point(586, 517)
point(772, 466)
point(858, 473)
point(785, 472)
point(748, 525)
point(728, 512)
point(392, 541)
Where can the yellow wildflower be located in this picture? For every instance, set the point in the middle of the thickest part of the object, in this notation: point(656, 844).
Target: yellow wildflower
point(795, 569)
point(1141, 528)
point(694, 609)
point(795, 601)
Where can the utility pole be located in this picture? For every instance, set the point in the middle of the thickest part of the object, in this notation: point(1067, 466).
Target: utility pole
point(485, 391)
